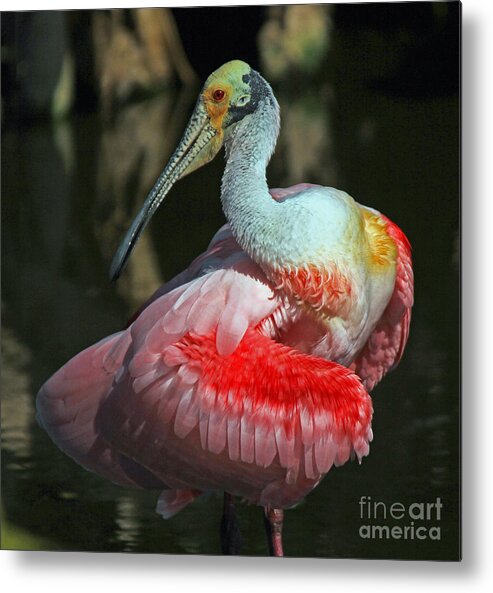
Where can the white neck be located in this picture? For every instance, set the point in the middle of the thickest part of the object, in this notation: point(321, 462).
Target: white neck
point(246, 201)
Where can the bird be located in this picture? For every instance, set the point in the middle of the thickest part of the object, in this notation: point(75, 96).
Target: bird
point(250, 372)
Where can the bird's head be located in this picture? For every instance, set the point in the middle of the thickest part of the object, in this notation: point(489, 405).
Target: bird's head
point(231, 93)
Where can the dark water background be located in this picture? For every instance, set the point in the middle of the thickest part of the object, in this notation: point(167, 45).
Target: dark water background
point(69, 192)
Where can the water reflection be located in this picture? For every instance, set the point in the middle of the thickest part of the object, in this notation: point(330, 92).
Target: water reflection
point(128, 523)
point(70, 194)
point(17, 403)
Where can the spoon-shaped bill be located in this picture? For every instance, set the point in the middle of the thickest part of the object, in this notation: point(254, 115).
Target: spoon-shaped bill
point(199, 145)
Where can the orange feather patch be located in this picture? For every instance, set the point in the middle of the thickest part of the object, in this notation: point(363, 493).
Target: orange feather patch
point(326, 291)
point(217, 109)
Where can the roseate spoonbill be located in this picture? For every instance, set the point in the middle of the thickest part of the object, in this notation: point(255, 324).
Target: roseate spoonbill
point(249, 372)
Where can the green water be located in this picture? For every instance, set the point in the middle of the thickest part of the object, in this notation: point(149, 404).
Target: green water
point(69, 192)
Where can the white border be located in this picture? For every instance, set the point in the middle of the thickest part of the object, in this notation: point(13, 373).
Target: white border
point(79, 572)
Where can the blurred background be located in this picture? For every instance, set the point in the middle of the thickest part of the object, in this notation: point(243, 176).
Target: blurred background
point(93, 104)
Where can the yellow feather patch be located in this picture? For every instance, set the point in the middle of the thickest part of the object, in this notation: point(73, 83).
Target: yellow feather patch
point(382, 252)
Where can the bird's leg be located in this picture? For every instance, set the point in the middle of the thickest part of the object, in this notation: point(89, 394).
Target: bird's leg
point(273, 519)
point(230, 532)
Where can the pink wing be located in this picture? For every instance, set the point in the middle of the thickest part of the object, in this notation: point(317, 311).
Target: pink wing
point(185, 395)
point(386, 344)
point(205, 401)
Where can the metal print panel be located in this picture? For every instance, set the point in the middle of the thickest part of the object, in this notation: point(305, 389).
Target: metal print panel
point(231, 281)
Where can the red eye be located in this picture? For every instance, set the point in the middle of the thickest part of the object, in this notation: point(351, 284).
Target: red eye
point(218, 95)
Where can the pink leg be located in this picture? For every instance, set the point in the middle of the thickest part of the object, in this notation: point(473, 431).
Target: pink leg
point(273, 525)
point(230, 531)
